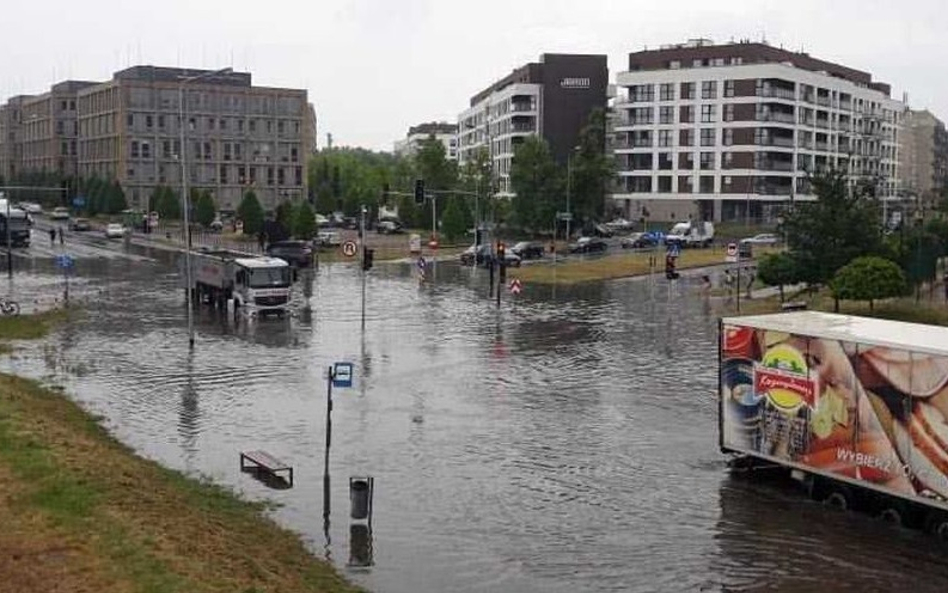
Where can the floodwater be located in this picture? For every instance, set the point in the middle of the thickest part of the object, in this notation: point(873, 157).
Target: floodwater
point(563, 442)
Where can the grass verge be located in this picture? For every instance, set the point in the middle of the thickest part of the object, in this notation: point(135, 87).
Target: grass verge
point(30, 327)
point(618, 265)
point(81, 512)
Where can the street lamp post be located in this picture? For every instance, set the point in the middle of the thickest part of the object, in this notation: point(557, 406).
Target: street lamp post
point(182, 113)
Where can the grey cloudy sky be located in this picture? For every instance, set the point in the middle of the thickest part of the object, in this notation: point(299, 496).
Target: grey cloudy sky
point(375, 67)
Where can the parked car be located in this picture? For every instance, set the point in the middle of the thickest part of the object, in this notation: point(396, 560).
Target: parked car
point(601, 230)
point(329, 238)
point(389, 227)
point(762, 239)
point(59, 213)
point(619, 224)
point(481, 256)
point(31, 207)
point(639, 241)
point(528, 250)
point(217, 225)
point(295, 253)
point(588, 245)
point(80, 224)
point(114, 230)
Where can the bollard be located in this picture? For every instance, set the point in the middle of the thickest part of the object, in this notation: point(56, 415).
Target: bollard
point(360, 497)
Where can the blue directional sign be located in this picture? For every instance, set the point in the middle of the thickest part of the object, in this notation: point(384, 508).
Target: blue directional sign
point(674, 250)
point(65, 261)
point(79, 201)
point(342, 374)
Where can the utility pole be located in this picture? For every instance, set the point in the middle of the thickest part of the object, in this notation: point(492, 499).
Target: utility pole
point(329, 378)
point(364, 272)
point(6, 223)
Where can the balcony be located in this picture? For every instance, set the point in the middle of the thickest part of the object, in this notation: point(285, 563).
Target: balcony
point(523, 127)
point(777, 93)
point(778, 116)
point(823, 123)
point(769, 165)
point(782, 141)
point(522, 107)
point(822, 146)
point(825, 101)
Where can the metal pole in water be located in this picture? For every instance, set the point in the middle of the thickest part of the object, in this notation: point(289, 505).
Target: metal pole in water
point(6, 223)
point(329, 378)
point(362, 243)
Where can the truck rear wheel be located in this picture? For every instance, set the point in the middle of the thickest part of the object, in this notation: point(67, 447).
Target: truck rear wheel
point(892, 515)
point(937, 524)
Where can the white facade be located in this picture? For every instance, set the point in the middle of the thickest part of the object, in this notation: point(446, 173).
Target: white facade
point(410, 145)
point(499, 122)
point(754, 133)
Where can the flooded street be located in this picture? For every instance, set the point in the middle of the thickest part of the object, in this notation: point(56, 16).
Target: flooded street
point(564, 442)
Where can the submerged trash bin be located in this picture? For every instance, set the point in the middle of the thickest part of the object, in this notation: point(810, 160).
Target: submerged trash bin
point(359, 497)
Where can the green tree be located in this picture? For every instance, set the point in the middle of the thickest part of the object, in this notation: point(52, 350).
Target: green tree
point(778, 269)
point(165, 202)
point(454, 220)
point(115, 200)
point(304, 222)
point(868, 279)
point(251, 213)
point(205, 210)
point(839, 226)
point(439, 173)
point(537, 182)
point(285, 215)
point(592, 170)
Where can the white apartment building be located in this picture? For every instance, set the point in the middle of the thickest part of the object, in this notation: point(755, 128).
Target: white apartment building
point(552, 98)
point(730, 132)
point(443, 132)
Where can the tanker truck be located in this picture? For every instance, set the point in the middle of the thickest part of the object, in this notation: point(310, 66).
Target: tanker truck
point(855, 409)
point(253, 284)
point(15, 224)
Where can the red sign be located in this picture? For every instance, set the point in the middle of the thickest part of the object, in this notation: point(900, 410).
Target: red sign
point(516, 286)
point(766, 380)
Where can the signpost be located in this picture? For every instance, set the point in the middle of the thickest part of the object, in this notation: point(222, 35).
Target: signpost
point(339, 375)
point(515, 286)
point(731, 256)
point(349, 248)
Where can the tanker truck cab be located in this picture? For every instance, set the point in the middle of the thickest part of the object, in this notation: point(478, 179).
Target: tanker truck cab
point(262, 284)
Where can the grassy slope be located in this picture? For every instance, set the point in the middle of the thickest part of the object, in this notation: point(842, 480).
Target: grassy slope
point(81, 512)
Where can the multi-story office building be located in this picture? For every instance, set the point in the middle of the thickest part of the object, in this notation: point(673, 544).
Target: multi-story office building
point(11, 117)
point(924, 156)
point(443, 132)
point(50, 130)
point(724, 132)
point(237, 136)
point(552, 98)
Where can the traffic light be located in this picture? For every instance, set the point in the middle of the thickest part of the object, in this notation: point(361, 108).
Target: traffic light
point(501, 248)
point(419, 191)
point(367, 257)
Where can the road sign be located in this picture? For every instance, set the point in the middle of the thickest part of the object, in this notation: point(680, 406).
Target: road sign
point(342, 374)
point(515, 286)
point(79, 201)
point(65, 261)
point(564, 216)
point(349, 248)
point(731, 253)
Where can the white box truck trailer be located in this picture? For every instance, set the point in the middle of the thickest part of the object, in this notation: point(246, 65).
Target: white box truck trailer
point(855, 408)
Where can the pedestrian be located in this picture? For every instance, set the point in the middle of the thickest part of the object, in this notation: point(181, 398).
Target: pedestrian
point(705, 284)
point(728, 281)
point(750, 281)
point(52, 237)
point(61, 240)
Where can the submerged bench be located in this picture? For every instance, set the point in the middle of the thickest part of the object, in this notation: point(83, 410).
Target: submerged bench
point(263, 461)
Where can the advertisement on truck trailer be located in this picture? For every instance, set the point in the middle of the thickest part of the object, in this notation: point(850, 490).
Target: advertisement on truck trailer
point(864, 412)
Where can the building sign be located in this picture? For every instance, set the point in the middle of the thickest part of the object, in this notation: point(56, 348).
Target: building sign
point(574, 83)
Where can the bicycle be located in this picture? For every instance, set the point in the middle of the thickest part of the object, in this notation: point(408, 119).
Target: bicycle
point(9, 307)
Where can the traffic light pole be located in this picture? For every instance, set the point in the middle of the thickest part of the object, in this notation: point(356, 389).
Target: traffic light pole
point(362, 243)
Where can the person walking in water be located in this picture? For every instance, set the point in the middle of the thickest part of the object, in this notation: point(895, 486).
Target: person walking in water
point(61, 241)
point(52, 237)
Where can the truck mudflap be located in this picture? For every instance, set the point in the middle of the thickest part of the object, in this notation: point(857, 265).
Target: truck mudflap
point(857, 414)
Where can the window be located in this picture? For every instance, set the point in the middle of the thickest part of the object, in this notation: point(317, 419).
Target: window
point(130, 120)
point(706, 184)
point(280, 127)
point(227, 151)
point(729, 112)
point(666, 115)
point(642, 138)
point(281, 176)
point(674, 65)
point(269, 126)
point(210, 123)
point(665, 162)
point(667, 92)
point(72, 105)
point(134, 149)
point(640, 184)
point(146, 150)
point(686, 161)
point(640, 162)
point(709, 89)
point(166, 149)
point(192, 123)
point(687, 91)
point(60, 127)
point(149, 121)
point(686, 184)
point(253, 125)
point(161, 121)
point(728, 137)
point(665, 138)
point(207, 151)
point(299, 175)
point(237, 151)
point(642, 115)
point(707, 113)
point(728, 88)
point(664, 184)
point(295, 154)
point(642, 93)
point(223, 124)
point(240, 125)
point(707, 136)
point(707, 161)
point(64, 149)
point(269, 175)
point(687, 114)
point(223, 173)
point(686, 138)
point(131, 173)
point(728, 160)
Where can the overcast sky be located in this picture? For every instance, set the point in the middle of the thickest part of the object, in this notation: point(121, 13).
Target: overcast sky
point(375, 67)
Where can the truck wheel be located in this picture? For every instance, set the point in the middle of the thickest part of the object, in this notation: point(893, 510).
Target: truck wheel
point(937, 524)
point(891, 515)
point(837, 498)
